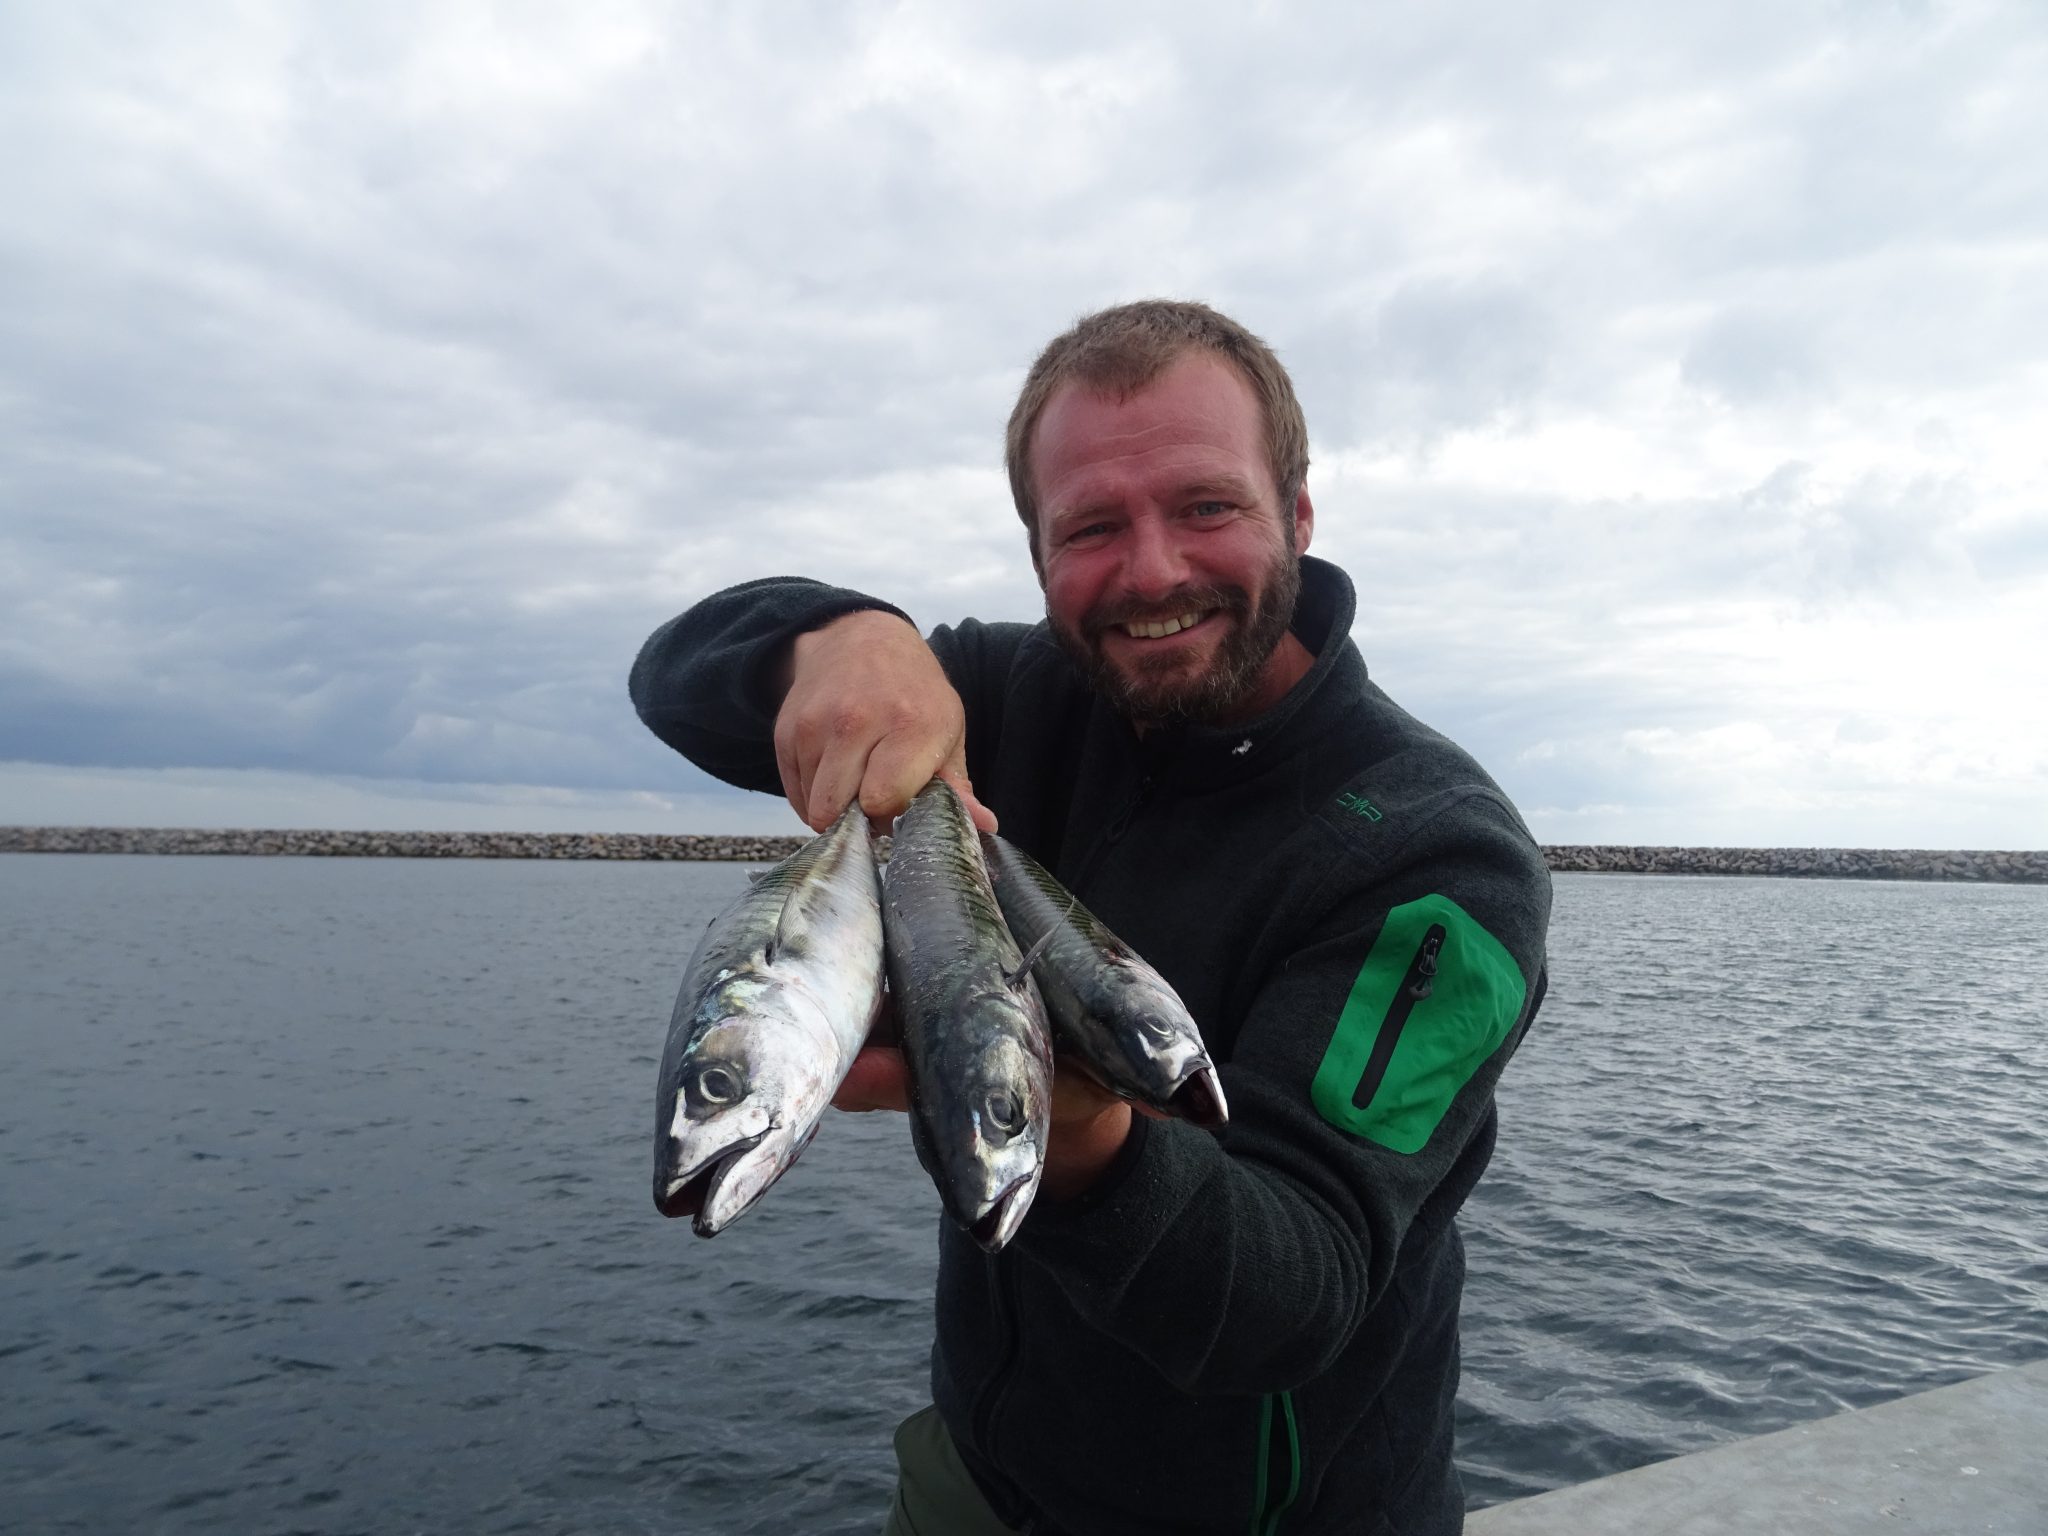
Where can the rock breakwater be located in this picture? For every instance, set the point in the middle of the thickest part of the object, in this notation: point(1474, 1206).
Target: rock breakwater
point(395, 845)
point(2007, 866)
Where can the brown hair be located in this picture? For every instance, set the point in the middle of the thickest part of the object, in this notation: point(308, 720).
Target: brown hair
point(1122, 349)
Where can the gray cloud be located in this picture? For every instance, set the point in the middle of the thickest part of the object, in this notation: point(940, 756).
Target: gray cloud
point(372, 382)
point(1751, 356)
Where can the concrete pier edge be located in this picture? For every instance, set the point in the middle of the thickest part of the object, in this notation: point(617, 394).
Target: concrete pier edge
point(1961, 1458)
point(2005, 866)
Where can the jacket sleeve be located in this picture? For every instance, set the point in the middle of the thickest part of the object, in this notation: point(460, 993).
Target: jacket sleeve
point(704, 681)
point(1246, 1262)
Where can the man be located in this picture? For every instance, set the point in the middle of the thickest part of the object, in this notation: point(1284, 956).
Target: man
point(1254, 1330)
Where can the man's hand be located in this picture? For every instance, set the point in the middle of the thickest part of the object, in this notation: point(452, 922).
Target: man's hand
point(879, 1080)
point(1089, 1123)
point(869, 714)
point(1089, 1127)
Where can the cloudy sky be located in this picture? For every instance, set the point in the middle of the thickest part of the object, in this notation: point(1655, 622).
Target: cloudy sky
point(373, 379)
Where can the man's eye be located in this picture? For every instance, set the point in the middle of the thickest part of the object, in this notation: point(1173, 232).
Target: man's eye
point(1209, 508)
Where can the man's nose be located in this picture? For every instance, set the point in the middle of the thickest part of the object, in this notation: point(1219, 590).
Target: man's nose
point(1154, 564)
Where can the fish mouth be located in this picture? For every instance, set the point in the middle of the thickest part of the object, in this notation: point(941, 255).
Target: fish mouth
point(993, 1230)
point(693, 1192)
point(1200, 1101)
point(1197, 1098)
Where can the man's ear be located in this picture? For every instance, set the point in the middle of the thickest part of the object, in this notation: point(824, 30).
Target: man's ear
point(1304, 520)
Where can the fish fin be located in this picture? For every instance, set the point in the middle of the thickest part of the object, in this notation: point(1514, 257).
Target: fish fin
point(1014, 980)
point(800, 906)
point(1031, 956)
point(788, 925)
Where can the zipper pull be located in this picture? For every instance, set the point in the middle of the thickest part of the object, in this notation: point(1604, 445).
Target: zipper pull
point(1415, 986)
point(1425, 964)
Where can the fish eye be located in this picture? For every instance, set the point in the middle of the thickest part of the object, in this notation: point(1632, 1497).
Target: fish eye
point(1157, 1026)
point(719, 1085)
point(1005, 1112)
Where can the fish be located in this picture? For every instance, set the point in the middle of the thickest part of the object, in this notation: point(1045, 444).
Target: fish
point(973, 1027)
point(775, 1003)
point(1120, 1019)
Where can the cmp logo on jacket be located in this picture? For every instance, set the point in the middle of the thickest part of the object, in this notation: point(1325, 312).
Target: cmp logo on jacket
point(1435, 998)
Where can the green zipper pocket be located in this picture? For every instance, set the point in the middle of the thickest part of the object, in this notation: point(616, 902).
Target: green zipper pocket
point(1434, 999)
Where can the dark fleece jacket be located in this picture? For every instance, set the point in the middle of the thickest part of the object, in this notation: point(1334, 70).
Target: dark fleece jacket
point(1255, 1330)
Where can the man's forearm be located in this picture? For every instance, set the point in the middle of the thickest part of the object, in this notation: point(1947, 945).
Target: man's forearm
point(705, 681)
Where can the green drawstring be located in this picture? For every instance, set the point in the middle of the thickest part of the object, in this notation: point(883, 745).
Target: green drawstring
point(1266, 1522)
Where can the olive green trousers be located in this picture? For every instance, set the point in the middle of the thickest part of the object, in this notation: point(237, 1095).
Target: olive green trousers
point(935, 1496)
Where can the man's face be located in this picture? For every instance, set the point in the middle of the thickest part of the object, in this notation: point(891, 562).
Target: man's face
point(1158, 513)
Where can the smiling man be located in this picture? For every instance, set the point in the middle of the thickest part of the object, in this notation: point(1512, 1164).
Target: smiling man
point(1192, 1332)
point(1170, 549)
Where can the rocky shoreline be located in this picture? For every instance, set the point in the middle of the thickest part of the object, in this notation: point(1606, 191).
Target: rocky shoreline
point(2006, 866)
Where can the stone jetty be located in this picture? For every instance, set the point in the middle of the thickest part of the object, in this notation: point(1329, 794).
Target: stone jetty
point(396, 845)
point(2028, 868)
point(2006, 866)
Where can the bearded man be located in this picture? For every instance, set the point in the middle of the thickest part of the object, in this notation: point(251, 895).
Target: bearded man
point(1191, 1332)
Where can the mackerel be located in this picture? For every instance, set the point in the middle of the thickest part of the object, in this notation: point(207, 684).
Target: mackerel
point(774, 1005)
point(1119, 1018)
point(973, 1026)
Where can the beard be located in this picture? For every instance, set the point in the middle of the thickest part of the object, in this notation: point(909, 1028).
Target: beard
point(1164, 691)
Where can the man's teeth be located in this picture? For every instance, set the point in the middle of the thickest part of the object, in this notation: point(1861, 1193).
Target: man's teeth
point(1161, 630)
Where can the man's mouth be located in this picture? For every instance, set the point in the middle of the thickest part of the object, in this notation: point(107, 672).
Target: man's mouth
point(1159, 629)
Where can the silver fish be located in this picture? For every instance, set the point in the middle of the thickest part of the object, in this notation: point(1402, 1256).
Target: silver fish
point(973, 1025)
point(774, 1005)
point(1121, 1020)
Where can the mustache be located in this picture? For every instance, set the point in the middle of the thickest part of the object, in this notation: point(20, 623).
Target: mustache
point(1111, 615)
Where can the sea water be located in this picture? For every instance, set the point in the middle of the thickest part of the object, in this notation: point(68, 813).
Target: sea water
point(324, 1200)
